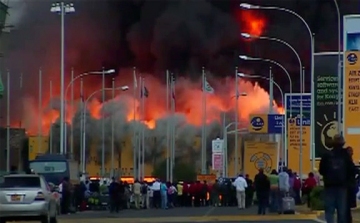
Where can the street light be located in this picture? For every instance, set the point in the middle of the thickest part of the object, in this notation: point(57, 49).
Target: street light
point(71, 83)
point(282, 100)
point(246, 35)
point(83, 162)
point(312, 46)
point(243, 57)
point(62, 9)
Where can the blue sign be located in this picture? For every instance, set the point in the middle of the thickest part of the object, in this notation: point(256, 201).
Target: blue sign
point(296, 121)
point(293, 102)
point(275, 123)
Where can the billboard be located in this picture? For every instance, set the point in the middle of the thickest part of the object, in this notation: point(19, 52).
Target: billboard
point(260, 155)
point(266, 123)
point(325, 101)
point(351, 82)
point(292, 103)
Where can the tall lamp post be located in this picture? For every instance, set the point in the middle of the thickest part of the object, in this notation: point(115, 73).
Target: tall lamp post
point(243, 57)
point(282, 100)
point(71, 84)
point(62, 9)
point(246, 35)
point(83, 162)
point(312, 52)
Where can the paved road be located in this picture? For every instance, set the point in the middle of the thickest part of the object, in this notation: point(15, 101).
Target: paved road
point(182, 215)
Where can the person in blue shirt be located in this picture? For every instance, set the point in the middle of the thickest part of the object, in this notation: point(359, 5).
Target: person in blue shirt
point(163, 192)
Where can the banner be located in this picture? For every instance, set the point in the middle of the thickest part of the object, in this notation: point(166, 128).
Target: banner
point(326, 101)
point(292, 106)
point(351, 83)
point(260, 155)
point(293, 143)
point(217, 161)
point(266, 123)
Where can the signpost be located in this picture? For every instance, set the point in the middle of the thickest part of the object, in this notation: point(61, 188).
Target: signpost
point(292, 149)
point(266, 123)
point(218, 157)
point(351, 82)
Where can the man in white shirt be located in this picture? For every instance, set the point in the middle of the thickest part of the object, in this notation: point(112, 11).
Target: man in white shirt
point(156, 194)
point(240, 185)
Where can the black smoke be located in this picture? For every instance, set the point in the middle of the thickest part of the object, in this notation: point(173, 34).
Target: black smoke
point(181, 35)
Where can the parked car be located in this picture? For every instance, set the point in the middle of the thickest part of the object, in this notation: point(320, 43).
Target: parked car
point(26, 197)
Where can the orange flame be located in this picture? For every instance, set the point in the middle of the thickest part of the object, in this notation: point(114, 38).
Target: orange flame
point(251, 22)
point(188, 102)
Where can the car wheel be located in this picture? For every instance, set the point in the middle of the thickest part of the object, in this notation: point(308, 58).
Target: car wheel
point(53, 220)
point(46, 219)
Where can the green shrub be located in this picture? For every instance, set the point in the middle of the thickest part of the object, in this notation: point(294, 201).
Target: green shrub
point(317, 198)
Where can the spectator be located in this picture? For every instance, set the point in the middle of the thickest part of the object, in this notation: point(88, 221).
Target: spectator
point(262, 188)
point(309, 185)
point(284, 188)
point(137, 193)
point(338, 171)
point(274, 191)
point(240, 185)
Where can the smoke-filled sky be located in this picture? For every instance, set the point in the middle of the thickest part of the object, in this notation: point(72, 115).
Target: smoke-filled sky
point(179, 35)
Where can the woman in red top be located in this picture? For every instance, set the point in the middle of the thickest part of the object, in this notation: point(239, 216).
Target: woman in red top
point(309, 184)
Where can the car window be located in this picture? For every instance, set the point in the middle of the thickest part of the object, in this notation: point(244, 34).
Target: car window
point(32, 182)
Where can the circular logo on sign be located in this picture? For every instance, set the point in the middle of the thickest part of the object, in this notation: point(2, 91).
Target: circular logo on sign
point(352, 58)
point(262, 160)
point(329, 128)
point(257, 123)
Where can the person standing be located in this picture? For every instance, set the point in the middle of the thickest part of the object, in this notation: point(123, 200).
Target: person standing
point(353, 188)
point(137, 193)
point(262, 188)
point(274, 190)
point(284, 187)
point(249, 191)
point(215, 193)
point(163, 192)
point(156, 193)
point(338, 172)
point(114, 195)
point(240, 186)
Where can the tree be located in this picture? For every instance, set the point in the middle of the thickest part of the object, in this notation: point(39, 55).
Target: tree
point(182, 171)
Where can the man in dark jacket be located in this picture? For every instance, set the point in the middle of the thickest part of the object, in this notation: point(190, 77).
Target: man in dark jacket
point(249, 191)
point(338, 172)
point(262, 188)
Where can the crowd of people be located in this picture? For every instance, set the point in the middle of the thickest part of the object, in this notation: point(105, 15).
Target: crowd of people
point(268, 190)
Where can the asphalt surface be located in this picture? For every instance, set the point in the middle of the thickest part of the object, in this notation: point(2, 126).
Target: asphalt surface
point(182, 215)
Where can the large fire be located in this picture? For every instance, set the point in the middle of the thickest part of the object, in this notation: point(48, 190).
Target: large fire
point(188, 95)
point(187, 101)
point(250, 22)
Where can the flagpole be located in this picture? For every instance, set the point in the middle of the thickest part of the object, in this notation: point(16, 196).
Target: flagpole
point(21, 91)
point(167, 129)
point(203, 164)
point(236, 122)
point(112, 133)
point(134, 125)
point(173, 126)
point(40, 112)
point(51, 122)
point(8, 124)
point(143, 132)
point(138, 138)
point(103, 127)
point(82, 120)
point(72, 117)
point(171, 169)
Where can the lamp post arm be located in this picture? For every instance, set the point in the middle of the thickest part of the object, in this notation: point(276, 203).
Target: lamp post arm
point(282, 42)
point(290, 12)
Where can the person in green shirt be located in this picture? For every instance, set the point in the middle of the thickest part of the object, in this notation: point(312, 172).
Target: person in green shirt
point(274, 190)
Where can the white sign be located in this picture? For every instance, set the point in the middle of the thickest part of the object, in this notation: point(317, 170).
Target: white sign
point(218, 146)
point(217, 161)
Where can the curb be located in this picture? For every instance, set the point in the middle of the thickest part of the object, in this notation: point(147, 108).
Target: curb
point(196, 219)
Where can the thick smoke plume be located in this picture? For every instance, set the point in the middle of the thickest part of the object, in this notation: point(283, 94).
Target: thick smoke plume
point(182, 36)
